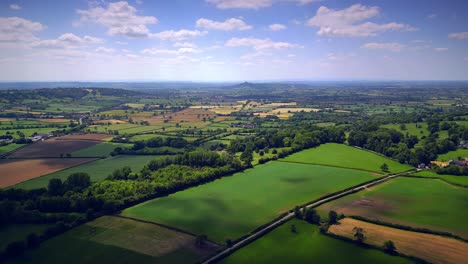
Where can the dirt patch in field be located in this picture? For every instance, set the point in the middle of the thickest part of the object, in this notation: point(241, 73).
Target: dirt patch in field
point(435, 249)
point(15, 171)
point(52, 148)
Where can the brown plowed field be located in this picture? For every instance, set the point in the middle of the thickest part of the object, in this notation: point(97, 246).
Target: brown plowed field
point(435, 249)
point(16, 171)
point(52, 148)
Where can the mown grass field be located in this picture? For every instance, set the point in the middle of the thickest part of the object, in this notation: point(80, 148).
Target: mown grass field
point(415, 202)
point(98, 170)
point(345, 156)
point(461, 180)
point(453, 155)
point(116, 240)
point(233, 206)
point(308, 245)
point(12, 233)
point(99, 150)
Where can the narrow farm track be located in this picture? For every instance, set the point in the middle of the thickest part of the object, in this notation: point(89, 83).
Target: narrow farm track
point(267, 228)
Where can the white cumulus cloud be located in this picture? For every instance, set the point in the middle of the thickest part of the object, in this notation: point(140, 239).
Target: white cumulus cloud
point(259, 44)
point(351, 22)
point(179, 52)
point(277, 27)
point(105, 50)
point(16, 29)
point(67, 40)
point(227, 25)
point(180, 35)
point(120, 18)
point(392, 46)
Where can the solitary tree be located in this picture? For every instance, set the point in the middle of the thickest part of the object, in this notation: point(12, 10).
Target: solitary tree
point(359, 234)
point(384, 167)
point(389, 247)
point(332, 217)
point(312, 217)
point(293, 229)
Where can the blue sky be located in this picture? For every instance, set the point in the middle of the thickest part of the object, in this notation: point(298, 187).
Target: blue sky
point(233, 40)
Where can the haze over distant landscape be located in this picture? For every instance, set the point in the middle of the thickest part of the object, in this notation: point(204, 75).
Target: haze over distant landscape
point(227, 40)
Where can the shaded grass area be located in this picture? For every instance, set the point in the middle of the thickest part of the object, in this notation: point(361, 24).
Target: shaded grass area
point(98, 170)
point(233, 206)
point(81, 245)
point(415, 202)
point(345, 156)
point(308, 245)
point(12, 233)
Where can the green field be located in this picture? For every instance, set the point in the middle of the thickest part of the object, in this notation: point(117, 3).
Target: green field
point(453, 155)
point(409, 201)
point(99, 150)
point(98, 170)
point(411, 129)
point(9, 147)
point(115, 240)
point(461, 180)
point(12, 233)
point(345, 156)
point(308, 245)
point(233, 206)
point(29, 131)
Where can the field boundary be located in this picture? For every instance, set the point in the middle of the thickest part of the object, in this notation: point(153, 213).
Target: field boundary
point(327, 165)
point(162, 225)
point(438, 178)
point(266, 228)
point(4, 155)
point(408, 228)
point(13, 186)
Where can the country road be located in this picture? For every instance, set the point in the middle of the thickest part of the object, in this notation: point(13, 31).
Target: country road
point(268, 228)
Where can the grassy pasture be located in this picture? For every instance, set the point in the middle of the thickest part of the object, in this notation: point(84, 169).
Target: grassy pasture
point(9, 147)
point(345, 156)
point(461, 180)
point(29, 131)
point(308, 245)
point(98, 170)
point(411, 129)
point(453, 155)
point(414, 202)
point(12, 233)
point(233, 206)
point(425, 246)
point(116, 240)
